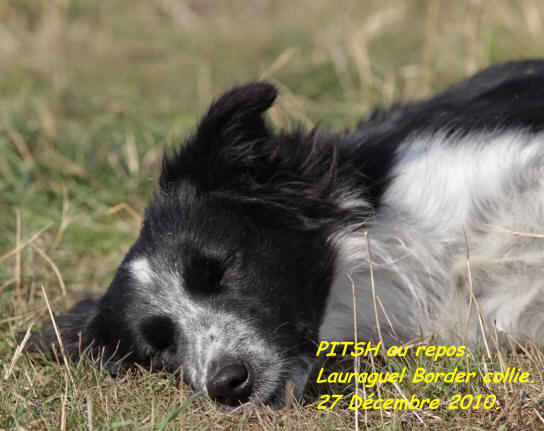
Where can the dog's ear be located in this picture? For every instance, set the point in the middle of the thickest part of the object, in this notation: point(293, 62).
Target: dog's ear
point(237, 114)
point(73, 327)
point(229, 138)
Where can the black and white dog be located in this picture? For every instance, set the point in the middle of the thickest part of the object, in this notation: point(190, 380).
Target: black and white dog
point(242, 263)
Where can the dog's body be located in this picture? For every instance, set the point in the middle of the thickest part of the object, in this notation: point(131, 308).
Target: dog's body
point(243, 260)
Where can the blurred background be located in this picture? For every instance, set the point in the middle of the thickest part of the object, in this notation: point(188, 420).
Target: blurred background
point(91, 91)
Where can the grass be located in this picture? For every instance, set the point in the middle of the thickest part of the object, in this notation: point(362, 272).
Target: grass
point(90, 93)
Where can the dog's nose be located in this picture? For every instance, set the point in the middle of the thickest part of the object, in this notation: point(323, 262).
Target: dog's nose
point(232, 383)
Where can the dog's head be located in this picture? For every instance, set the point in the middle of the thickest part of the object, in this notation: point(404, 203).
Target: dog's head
point(230, 275)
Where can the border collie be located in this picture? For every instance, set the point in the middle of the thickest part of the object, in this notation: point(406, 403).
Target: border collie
point(242, 263)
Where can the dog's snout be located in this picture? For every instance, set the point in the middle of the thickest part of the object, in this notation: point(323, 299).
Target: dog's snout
point(232, 383)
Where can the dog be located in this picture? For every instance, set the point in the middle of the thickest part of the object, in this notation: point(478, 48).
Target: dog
point(242, 263)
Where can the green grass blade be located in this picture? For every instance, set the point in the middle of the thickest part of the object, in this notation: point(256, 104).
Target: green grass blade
point(175, 413)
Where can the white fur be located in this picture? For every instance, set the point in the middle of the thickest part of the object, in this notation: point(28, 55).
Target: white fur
point(441, 187)
point(141, 270)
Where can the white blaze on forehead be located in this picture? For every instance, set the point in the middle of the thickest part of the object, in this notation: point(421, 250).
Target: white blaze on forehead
point(141, 270)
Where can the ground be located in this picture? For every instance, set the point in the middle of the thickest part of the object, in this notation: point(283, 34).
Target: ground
point(91, 91)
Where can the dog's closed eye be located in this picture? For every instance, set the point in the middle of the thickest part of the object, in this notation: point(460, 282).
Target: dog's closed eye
point(159, 332)
point(204, 275)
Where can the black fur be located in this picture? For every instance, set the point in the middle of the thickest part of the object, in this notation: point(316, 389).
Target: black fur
point(244, 212)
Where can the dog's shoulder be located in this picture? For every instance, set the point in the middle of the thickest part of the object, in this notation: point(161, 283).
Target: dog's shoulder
point(502, 98)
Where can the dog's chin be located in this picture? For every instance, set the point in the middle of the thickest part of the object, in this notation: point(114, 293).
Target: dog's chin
point(276, 402)
point(283, 395)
